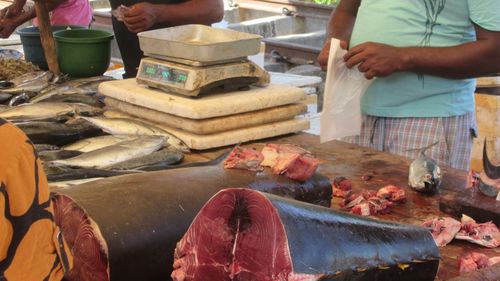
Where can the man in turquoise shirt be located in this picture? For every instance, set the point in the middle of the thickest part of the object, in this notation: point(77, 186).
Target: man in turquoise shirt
point(423, 54)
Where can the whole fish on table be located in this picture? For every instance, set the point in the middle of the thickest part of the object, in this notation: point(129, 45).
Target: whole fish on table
point(57, 154)
point(158, 159)
point(89, 144)
point(30, 82)
point(47, 111)
point(116, 153)
point(41, 132)
point(83, 86)
point(92, 100)
point(124, 126)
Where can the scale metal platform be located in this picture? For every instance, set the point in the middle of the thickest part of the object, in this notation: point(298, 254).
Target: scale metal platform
point(195, 59)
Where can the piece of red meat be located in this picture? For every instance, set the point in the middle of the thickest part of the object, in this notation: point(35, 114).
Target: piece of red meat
point(474, 261)
point(366, 203)
point(241, 234)
point(272, 152)
point(90, 252)
point(341, 187)
point(244, 158)
point(295, 162)
point(379, 205)
point(302, 168)
point(392, 193)
point(362, 209)
point(484, 234)
point(443, 229)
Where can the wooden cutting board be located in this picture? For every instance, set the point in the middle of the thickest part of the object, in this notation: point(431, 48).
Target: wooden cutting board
point(214, 105)
point(211, 125)
point(472, 203)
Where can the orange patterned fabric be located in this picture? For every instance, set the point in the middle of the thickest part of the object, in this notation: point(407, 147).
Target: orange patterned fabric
point(31, 247)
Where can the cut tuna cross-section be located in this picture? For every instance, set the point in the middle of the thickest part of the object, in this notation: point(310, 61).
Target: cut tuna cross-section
point(241, 234)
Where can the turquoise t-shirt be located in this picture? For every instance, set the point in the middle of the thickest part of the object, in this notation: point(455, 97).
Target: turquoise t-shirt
point(434, 23)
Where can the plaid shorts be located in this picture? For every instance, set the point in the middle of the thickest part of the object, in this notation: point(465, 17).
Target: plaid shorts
point(402, 136)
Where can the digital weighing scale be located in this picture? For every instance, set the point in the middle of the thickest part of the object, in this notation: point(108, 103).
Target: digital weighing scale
point(195, 59)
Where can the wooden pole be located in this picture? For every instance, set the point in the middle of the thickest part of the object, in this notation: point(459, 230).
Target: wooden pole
point(46, 36)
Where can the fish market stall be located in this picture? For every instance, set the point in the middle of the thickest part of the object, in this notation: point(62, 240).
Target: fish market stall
point(366, 169)
point(194, 104)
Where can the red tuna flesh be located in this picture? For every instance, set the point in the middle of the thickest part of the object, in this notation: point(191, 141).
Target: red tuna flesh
point(341, 187)
point(474, 261)
point(293, 161)
point(392, 193)
point(90, 254)
point(241, 234)
point(443, 229)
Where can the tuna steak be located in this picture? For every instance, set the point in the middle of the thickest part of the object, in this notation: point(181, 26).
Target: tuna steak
point(241, 234)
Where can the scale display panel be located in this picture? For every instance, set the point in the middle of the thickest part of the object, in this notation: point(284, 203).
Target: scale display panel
point(162, 73)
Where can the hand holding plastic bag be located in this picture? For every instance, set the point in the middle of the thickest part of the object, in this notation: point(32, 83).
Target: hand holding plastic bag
point(341, 116)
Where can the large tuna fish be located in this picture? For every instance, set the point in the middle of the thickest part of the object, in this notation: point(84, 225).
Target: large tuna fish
point(242, 234)
point(135, 221)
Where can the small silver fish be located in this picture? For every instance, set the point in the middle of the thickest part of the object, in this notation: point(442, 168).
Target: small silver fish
point(42, 111)
point(89, 144)
point(31, 82)
point(116, 153)
point(424, 175)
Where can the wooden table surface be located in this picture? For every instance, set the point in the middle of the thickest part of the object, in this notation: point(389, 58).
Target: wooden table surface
point(351, 161)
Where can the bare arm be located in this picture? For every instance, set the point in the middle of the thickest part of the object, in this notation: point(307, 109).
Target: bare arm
point(467, 60)
point(9, 23)
point(339, 26)
point(143, 16)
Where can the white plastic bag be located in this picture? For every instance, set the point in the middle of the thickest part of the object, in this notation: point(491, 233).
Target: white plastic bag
point(341, 115)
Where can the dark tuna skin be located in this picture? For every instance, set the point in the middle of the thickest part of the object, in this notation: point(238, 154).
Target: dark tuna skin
point(142, 216)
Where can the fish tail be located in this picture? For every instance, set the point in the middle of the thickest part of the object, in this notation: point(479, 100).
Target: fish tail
point(424, 149)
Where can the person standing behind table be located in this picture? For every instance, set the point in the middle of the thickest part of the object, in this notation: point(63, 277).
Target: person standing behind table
point(63, 12)
point(31, 247)
point(423, 54)
point(154, 14)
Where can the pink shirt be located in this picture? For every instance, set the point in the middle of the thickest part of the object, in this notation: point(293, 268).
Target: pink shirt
point(71, 12)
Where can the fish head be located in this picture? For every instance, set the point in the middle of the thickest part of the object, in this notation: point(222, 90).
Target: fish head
point(424, 175)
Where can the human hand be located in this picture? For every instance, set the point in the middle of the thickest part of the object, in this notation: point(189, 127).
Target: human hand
point(7, 26)
point(140, 17)
point(325, 52)
point(375, 59)
point(13, 10)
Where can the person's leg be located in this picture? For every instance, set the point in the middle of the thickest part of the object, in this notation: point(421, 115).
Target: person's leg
point(372, 133)
point(130, 50)
point(406, 136)
point(460, 132)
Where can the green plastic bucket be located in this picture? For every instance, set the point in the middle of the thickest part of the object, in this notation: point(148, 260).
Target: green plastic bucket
point(84, 52)
point(32, 46)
